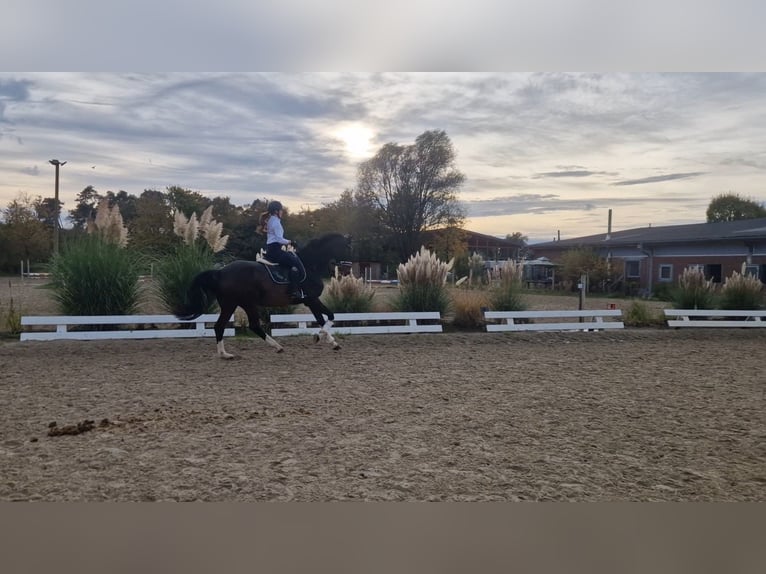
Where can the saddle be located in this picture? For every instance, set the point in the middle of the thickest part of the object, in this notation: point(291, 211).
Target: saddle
point(279, 273)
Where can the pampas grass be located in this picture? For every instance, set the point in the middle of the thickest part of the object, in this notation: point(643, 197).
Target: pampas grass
point(505, 294)
point(422, 283)
point(694, 291)
point(201, 239)
point(108, 224)
point(348, 294)
point(93, 276)
point(742, 291)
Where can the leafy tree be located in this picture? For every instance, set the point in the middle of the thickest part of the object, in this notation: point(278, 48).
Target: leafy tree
point(582, 261)
point(518, 236)
point(186, 201)
point(413, 188)
point(152, 228)
point(24, 236)
point(85, 207)
point(126, 202)
point(733, 207)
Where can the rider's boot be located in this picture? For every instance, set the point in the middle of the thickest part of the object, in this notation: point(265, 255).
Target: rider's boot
point(295, 291)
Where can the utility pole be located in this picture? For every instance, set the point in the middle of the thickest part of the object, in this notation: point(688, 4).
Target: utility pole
point(56, 223)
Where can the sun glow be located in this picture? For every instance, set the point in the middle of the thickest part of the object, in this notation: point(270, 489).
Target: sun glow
point(357, 139)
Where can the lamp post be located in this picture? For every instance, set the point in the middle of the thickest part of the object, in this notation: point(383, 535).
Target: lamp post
point(58, 164)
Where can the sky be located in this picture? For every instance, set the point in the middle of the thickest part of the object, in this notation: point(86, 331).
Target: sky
point(542, 153)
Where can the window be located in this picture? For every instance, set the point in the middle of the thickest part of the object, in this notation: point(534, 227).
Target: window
point(666, 272)
point(632, 269)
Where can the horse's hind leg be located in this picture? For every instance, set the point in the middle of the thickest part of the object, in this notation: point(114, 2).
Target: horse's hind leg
point(220, 325)
point(255, 325)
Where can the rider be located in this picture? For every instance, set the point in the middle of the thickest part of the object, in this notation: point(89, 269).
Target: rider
point(275, 239)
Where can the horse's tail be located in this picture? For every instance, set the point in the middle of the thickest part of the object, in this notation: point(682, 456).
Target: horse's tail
point(197, 298)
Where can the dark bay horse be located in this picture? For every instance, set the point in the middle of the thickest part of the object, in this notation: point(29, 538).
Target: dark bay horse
point(249, 284)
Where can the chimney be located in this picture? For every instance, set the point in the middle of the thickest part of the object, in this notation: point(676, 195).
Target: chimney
point(609, 227)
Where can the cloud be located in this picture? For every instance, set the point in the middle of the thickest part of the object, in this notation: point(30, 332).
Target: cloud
point(574, 173)
point(659, 178)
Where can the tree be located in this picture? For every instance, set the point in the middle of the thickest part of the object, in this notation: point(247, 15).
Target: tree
point(518, 236)
point(414, 188)
point(85, 207)
point(24, 236)
point(186, 201)
point(152, 228)
point(733, 207)
point(583, 261)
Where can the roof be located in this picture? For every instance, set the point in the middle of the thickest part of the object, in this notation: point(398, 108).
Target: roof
point(742, 229)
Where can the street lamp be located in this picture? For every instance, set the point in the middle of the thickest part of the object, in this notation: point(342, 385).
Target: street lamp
point(58, 164)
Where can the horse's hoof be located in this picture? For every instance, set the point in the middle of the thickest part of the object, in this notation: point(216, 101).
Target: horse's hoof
point(336, 347)
point(316, 338)
point(226, 356)
point(280, 350)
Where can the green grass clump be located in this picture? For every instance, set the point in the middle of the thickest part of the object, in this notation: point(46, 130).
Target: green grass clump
point(92, 276)
point(173, 274)
point(639, 314)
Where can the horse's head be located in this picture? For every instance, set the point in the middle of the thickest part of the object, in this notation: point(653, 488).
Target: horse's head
point(318, 254)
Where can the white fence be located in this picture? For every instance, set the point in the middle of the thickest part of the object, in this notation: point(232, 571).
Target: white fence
point(359, 323)
point(116, 324)
point(714, 318)
point(576, 320)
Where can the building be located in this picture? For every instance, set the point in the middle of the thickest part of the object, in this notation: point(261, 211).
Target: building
point(648, 256)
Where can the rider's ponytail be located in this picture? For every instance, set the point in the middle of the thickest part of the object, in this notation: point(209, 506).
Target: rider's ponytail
point(262, 220)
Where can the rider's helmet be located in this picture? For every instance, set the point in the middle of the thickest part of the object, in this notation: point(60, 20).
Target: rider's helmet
point(273, 207)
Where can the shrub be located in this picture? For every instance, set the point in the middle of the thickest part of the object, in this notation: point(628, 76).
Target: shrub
point(348, 294)
point(505, 294)
point(742, 291)
point(12, 315)
point(638, 314)
point(173, 274)
point(694, 291)
point(202, 239)
point(93, 276)
point(422, 283)
point(468, 307)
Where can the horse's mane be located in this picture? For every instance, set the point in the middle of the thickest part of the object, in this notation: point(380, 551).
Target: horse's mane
point(322, 249)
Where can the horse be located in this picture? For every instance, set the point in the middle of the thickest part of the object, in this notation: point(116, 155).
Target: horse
point(252, 284)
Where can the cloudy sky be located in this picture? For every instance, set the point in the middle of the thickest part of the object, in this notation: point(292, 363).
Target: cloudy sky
point(542, 152)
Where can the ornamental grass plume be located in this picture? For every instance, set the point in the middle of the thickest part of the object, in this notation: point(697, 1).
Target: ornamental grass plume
point(742, 291)
point(108, 224)
point(694, 291)
point(422, 283)
point(505, 294)
point(348, 294)
point(205, 227)
point(202, 239)
point(476, 268)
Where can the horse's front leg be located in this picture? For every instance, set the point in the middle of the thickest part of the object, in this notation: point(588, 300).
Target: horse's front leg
point(319, 309)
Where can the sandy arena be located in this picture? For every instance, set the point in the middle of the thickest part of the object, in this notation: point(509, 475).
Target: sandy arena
point(638, 415)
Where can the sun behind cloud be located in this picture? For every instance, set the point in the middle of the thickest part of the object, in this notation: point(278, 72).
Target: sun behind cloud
point(357, 139)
